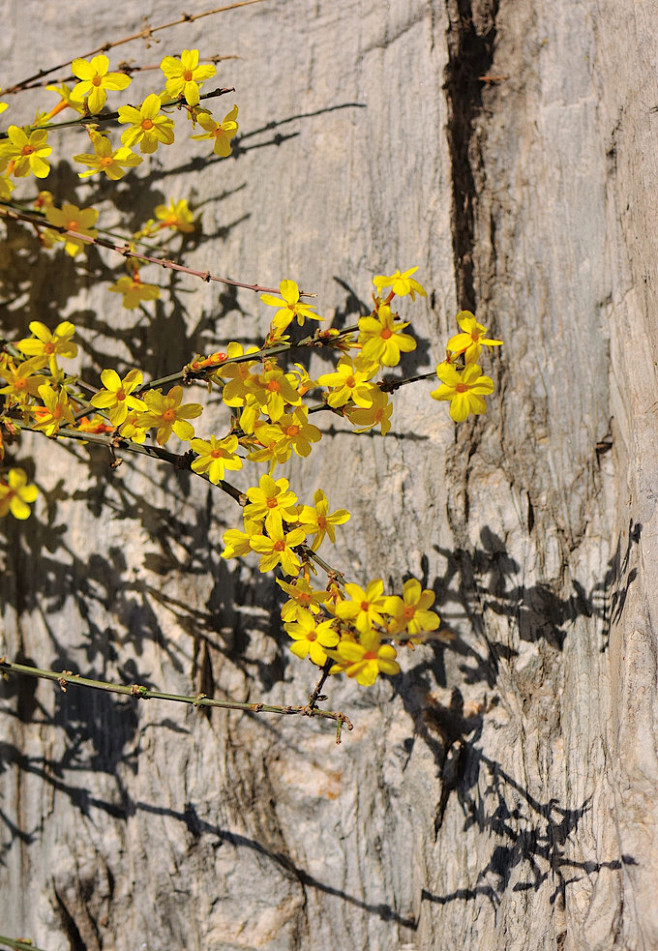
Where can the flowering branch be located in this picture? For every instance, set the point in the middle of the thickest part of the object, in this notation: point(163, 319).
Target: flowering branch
point(19, 944)
point(112, 116)
point(66, 678)
point(126, 251)
point(145, 34)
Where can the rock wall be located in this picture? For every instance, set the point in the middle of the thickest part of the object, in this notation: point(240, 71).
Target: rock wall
point(500, 793)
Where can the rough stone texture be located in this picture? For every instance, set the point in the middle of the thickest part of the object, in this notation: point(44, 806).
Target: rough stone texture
point(501, 792)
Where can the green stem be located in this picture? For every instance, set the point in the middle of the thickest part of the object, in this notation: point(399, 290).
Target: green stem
point(18, 944)
point(67, 678)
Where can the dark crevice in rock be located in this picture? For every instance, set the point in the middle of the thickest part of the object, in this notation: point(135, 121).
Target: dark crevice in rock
point(470, 37)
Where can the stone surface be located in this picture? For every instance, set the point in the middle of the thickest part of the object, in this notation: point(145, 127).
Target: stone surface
point(499, 794)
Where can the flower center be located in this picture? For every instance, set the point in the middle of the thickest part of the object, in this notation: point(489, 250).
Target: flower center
point(386, 333)
point(272, 503)
point(97, 80)
point(120, 395)
point(322, 521)
point(304, 598)
point(169, 415)
point(312, 636)
point(107, 161)
point(365, 605)
point(279, 546)
point(409, 611)
point(461, 388)
point(20, 384)
point(292, 430)
point(49, 348)
point(27, 150)
point(188, 75)
point(274, 386)
point(147, 124)
point(72, 225)
point(350, 381)
point(57, 412)
point(216, 453)
point(370, 655)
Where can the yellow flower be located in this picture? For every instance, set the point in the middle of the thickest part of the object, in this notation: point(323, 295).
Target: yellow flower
point(48, 344)
point(464, 390)
point(237, 374)
point(302, 599)
point(317, 521)
point(411, 612)
point(400, 284)
point(469, 343)
point(216, 456)
point(26, 153)
point(176, 215)
point(378, 412)
point(166, 414)
point(184, 75)
point(95, 80)
point(349, 383)
point(365, 607)
point(381, 338)
point(148, 128)
point(277, 549)
point(23, 381)
point(66, 101)
point(6, 187)
point(364, 660)
point(292, 430)
point(114, 162)
point(55, 411)
point(116, 398)
point(238, 543)
point(273, 390)
point(134, 291)
point(311, 637)
point(16, 493)
point(271, 502)
point(222, 132)
point(288, 307)
point(72, 218)
point(130, 429)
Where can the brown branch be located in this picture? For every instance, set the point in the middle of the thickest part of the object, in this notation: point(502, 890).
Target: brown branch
point(127, 252)
point(145, 34)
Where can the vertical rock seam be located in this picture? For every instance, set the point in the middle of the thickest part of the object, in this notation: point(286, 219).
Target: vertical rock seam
point(470, 39)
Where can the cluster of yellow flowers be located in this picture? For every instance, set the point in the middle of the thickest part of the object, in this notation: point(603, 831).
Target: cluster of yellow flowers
point(26, 150)
point(341, 627)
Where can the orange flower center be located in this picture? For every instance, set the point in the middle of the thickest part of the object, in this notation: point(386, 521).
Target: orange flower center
point(20, 384)
point(274, 386)
point(49, 348)
point(304, 598)
point(72, 225)
point(120, 395)
point(409, 611)
point(322, 521)
point(292, 430)
point(147, 124)
point(312, 636)
point(57, 412)
point(461, 388)
point(188, 75)
point(365, 605)
point(169, 415)
point(216, 453)
point(107, 161)
point(272, 503)
point(386, 333)
point(350, 381)
point(97, 80)
point(279, 546)
point(27, 150)
point(370, 655)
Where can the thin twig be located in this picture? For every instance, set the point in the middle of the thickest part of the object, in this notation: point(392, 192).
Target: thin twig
point(125, 250)
point(145, 34)
point(19, 944)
